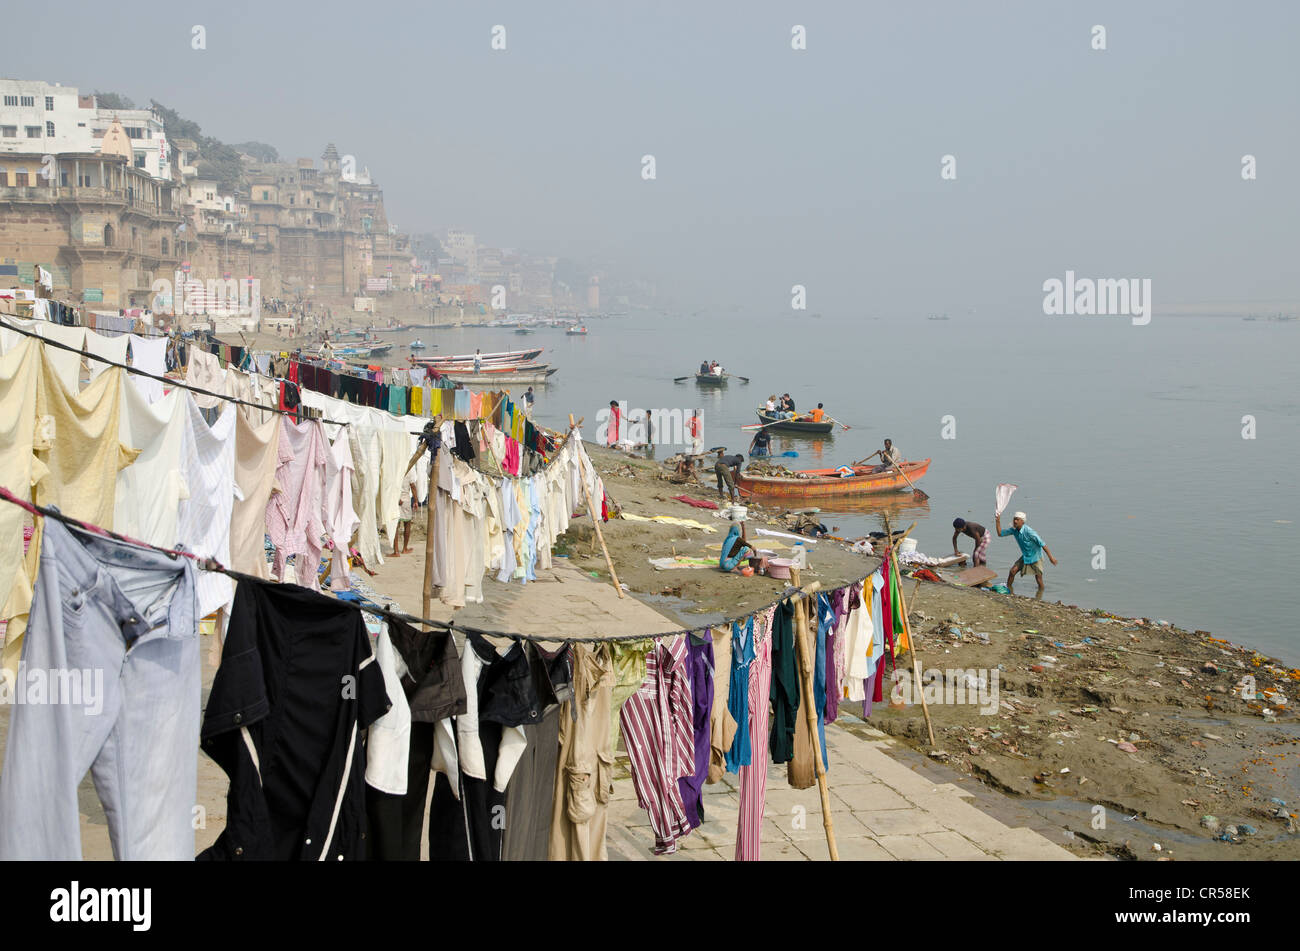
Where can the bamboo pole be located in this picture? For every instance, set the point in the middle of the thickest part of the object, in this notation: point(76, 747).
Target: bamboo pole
point(911, 641)
point(806, 666)
point(595, 515)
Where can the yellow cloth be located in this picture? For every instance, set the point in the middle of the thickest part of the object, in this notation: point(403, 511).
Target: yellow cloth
point(417, 401)
point(629, 672)
point(257, 451)
point(435, 401)
point(75, 458)
point(670, 520)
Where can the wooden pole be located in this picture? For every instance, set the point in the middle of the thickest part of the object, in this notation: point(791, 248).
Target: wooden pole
point(595, 516)
point(806, 659)
point(430, 526)
point(911, 641)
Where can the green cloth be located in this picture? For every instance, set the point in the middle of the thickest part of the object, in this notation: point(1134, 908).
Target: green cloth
point(785, 684)
point(397, 400)
point(629, 673)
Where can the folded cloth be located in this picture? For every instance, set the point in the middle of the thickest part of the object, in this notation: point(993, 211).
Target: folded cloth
point(698, 503)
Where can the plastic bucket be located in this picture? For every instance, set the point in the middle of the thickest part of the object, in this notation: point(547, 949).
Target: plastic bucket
point(737, 512)
point(907, 544)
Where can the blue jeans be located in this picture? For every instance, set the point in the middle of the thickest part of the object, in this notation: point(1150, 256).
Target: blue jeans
point(113, 634)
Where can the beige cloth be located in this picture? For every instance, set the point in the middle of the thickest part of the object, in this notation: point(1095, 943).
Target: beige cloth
point(722, 725)
point(801, 770)
point(205, 372)
point(75, 458)
point(584, 775)
point(66, 364)
point(20, 371)
point(257, 453)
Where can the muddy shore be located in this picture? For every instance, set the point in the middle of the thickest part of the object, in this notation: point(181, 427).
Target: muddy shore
point(1144, 720)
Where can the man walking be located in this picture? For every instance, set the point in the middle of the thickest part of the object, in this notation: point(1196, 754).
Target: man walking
point(977, 532)
point(726, 469)
point(405, 509)
point(1031, 550)
point(693, 429)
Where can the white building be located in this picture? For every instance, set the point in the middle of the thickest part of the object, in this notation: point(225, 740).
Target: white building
point(52, 119)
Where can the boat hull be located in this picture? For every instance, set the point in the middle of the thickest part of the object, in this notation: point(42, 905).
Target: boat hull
point(538, 374)
point(824, 483)
point(505, 356)
point(712, 379)
point(807, 427)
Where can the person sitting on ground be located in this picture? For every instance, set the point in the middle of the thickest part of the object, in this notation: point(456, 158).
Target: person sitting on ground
point(726, 469)
point(1031, 550)
point(975, 531)
point(685, 471)
point(735, 548)
point(761, 444)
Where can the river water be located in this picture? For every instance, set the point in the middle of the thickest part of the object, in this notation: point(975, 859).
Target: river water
point(1120, 436)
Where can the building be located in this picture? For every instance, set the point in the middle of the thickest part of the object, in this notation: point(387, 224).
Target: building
point(50, 119)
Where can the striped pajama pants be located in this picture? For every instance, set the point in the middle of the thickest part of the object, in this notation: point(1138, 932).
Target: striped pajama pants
point(753, 778)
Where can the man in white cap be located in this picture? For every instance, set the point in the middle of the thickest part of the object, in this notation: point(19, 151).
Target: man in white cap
point(1031, 550)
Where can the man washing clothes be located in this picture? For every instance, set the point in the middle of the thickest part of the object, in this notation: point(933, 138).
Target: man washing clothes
point(726, 469)
point(976, 531)
point(1031, 550)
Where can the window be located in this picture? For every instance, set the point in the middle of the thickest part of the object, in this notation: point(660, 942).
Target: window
point(49, 129)
point(27, 100)
point(33, 131)
point(11, 100)
point(266, 195)
point(9, 131)
point(63, 177)
point(139, 161)
point(133, 132)
point(49, 103)
point(4, 178)
point(164, 247)
point(20, 177)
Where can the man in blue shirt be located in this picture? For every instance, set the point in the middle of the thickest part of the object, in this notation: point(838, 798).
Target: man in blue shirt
point(1031, 550)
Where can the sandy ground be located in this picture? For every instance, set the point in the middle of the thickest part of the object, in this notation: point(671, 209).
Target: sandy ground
point(1072, 686)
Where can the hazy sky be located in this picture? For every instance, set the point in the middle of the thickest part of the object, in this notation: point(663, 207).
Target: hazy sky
point(775, 167)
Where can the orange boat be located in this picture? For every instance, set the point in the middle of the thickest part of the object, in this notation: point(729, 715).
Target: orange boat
point(821, 483)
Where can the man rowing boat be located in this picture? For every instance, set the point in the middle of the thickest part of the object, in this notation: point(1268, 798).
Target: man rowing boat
point(890, 457)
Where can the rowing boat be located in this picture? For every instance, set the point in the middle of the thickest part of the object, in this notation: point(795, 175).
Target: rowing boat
point(502, 357)
point(712, 379)
point(532, 373)
point(819, 483)
point(805, 426)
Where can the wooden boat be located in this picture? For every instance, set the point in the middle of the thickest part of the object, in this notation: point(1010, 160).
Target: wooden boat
point(523, 330)
point(380, 350)
point(391, 330)
point(532, 373)
point(417, 345)
point(576, 332)
point(821, 483)
point(806, 426)
point(513, 357)
point(712, 379)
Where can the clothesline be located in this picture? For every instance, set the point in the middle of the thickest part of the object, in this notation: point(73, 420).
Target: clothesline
point(210, 564)
point(170, 381)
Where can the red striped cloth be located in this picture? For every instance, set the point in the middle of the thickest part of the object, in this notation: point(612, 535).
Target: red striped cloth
point(753, 778)
point(660, 739)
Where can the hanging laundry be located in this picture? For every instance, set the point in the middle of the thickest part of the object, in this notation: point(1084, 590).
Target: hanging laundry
point(292, 745)
point(753, 778)
point(341, 519)
point(126, 613)
point(257, 456)
point(738, 752)
point(293, 514)
point(584, 782)
point(659, 735)
point(150, 355)
point(66, 364)
point(785, 684)
point(501, 698)
point(699, 672)
point(461, 404)
point(429, 674)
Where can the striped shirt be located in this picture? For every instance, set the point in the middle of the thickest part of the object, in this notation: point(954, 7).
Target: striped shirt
point(753, 778)
point(660, 739)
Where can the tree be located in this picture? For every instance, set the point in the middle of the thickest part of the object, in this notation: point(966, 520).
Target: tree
point(113, 100)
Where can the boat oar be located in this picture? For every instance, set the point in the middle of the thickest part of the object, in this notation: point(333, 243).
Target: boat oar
point(916, 493)
point(845, 425)
point(742, 379)
point(681, 379)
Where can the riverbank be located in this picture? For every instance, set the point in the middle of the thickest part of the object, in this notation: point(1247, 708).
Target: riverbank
point(1145, 720)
